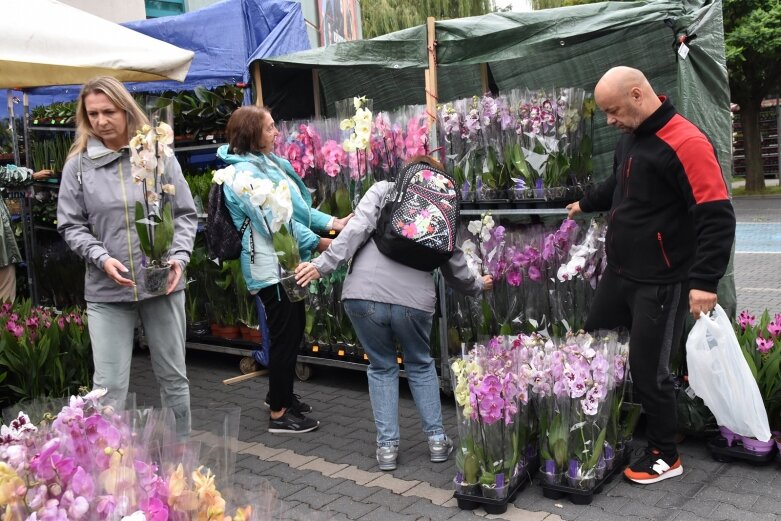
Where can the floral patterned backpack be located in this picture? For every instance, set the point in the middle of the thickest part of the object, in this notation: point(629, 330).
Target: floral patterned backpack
point(418, 224)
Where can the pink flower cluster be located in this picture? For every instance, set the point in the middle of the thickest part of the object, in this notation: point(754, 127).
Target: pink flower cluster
point(88, 465)
point(33, 324)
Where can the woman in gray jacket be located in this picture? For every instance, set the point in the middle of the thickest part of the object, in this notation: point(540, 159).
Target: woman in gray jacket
point(95, 216)
point(388, 301)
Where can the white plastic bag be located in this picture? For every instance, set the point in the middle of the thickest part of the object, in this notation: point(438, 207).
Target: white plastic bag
point(719, 375)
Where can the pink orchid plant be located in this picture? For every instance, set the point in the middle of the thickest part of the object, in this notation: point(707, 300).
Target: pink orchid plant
point(760, 341)
point(89, 464)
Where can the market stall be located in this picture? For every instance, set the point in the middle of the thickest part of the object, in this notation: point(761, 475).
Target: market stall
point(679, 47)
point(218, 39)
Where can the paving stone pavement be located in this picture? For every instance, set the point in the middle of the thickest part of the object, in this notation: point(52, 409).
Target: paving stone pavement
point(331, 474)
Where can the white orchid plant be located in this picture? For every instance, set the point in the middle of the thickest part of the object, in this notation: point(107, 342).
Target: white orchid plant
point(270, 199)
point(154, 219)
point(361, 126)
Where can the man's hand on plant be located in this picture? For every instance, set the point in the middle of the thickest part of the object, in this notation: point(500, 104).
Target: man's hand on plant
point(488, 283)
point(173, 276)
point(305, 273)
point(339, 224)
point(574, 209)
point(117, 272)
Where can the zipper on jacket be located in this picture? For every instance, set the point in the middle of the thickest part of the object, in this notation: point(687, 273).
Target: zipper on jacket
point(661, 246)
point(612, 242)
point(627, 171)
point(127, 229)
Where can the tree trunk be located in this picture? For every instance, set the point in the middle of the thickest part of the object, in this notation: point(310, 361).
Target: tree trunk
point(752, 145)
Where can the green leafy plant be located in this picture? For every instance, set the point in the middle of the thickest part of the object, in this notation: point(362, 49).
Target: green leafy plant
point(51, 153)
point(42, 353)
point(760, 341)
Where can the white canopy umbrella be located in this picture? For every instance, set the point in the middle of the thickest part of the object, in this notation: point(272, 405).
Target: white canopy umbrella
point(45, 42)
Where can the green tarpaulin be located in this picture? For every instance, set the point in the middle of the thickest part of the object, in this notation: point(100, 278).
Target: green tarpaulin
point(564, 47)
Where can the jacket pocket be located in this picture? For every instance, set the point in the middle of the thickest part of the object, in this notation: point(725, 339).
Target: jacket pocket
point(660, 240)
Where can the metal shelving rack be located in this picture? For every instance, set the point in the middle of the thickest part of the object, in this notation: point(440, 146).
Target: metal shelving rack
point(306, 361)
point(29, 227)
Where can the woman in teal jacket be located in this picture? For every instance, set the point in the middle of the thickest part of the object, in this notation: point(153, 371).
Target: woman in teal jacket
point(251, 133)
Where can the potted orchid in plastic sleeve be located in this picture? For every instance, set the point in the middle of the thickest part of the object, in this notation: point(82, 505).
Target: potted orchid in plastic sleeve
point(270, 208)
point(149, 151)
point(467, 456)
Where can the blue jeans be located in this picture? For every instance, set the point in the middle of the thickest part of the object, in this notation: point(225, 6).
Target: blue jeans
point(378, 325)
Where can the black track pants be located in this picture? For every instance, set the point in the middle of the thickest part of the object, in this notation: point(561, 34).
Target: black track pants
point(654, 316)
point(286, 321)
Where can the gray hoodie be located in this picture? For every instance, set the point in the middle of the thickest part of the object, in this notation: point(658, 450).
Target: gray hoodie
point(379, 278)
point(96, 217)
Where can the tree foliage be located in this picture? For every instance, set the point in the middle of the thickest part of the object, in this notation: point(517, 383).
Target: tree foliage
point(752, 36)
point(385, 16)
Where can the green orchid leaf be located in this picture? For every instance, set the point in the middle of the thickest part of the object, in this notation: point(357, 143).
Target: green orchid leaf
point(142, 230)
point(164, 233)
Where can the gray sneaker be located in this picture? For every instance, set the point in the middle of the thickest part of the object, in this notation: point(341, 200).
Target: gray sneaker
point(439, 450)
point(386, 457)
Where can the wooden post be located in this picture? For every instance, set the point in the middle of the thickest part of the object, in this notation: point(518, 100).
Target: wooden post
point(316, 91)
point(432, 91)
point(248, 376)
point(484, 78)
point(432, 88)
point(258, 83)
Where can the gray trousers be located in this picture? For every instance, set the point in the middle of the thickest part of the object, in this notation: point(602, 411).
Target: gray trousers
point(111, 329)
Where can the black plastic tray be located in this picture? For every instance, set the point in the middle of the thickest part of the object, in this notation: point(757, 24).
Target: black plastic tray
point(584, 497)
point(721, 452)
point(491, 506)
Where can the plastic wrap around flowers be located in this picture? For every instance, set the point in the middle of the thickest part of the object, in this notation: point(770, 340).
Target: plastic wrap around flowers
point(90, 463)
point(521, 141)
point(524, 261)
point(573, 385)
point(576, 385)
point(495, 434)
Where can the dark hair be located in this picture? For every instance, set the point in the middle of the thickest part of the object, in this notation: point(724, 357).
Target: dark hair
point(245, 128)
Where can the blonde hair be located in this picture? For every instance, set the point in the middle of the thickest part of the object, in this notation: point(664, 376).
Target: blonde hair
point(119, 96)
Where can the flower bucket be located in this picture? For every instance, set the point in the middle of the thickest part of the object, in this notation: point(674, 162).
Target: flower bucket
point(156, 279)
point(549, 474)
point(198, 328)
point(580, 478)
point(728, 435)
point(495, 491)
point(468, 489)
point(295, 293)
point(758, 447)
point(609, 455)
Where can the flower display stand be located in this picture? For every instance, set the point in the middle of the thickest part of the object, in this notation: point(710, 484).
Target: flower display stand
point(735, 449)
point(498, 506)
point(584, 496)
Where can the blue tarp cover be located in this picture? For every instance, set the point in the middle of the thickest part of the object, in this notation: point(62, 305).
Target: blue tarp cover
point(225, 37)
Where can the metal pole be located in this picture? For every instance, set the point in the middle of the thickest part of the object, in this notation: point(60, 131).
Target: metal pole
point(28, 231)
point(778, 138)
point(12, 120)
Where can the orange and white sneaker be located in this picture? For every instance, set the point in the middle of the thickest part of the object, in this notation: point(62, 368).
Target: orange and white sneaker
point(653, 467)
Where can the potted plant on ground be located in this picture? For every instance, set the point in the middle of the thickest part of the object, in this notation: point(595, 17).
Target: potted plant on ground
point(760, 342)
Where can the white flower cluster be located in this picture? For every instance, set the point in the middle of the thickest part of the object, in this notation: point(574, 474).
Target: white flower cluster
point(260, 192)
point(583, 253)
point(146, 147)
point(361, 126)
